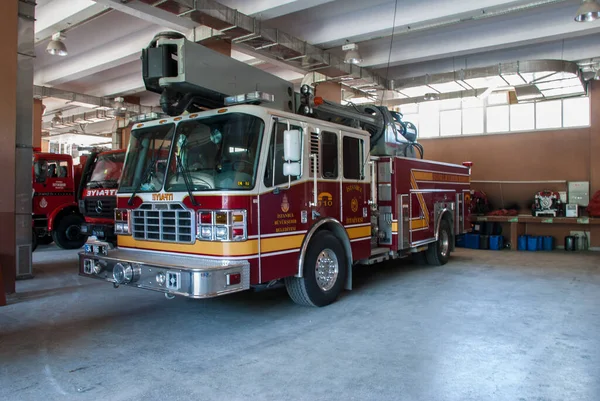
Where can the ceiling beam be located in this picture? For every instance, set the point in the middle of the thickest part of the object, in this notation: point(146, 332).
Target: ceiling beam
point(103, 58)
point(492, 34)
point(268, 9)
point(151, 14)
point(61, 15)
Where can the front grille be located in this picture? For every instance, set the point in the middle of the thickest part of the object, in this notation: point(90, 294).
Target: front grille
point(101, 207)
point(163, 222)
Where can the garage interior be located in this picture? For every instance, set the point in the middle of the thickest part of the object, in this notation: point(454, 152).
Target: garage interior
point(512, 86)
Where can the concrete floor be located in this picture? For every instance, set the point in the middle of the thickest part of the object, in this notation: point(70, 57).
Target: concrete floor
point(487, 326)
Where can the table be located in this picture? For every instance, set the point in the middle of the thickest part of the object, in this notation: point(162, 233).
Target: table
point(518, 224)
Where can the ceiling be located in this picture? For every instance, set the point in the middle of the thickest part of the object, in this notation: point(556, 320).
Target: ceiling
point(105, 37)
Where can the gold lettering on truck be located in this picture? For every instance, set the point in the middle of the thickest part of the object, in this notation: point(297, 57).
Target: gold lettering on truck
point(162, 197)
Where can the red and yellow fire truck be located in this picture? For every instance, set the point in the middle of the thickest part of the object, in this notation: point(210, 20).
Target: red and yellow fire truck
point(295, 189)
point(98, 193)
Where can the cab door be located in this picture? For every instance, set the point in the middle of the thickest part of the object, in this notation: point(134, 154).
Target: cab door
point(282, 206)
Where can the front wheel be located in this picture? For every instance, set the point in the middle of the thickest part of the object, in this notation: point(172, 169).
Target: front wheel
point(438, 252)
point(67, 233)
point(324, 272)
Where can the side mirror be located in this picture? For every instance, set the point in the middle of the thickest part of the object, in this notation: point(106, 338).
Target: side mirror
point(292, 145)
point(291, 169)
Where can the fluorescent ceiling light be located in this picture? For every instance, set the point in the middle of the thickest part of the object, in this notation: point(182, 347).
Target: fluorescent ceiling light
point(588, 11)
point(575, 90)
point(56, 46)
point(528, 92)
point(563, 83)
point(416, 91)
point(485, 82)
point(514, 79)
point(447, 87)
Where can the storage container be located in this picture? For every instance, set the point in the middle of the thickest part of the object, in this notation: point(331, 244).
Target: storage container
point(472, 241)
point(484, 242)
point(548, 243)
point(496, 242)
point(532, 243)
point(522, 243)
point(540, 243)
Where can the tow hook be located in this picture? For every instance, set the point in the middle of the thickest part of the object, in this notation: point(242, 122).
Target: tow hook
point(169, 296)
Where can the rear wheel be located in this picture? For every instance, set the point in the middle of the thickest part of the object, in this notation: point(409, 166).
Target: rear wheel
point(438, 252)
point(67, 233)
point(324, 272)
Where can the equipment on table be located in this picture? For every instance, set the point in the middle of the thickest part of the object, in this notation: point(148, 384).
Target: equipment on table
point(571, 210)
point(479, 202)
point(594, 205)
point(546, 203)
point(570, 243)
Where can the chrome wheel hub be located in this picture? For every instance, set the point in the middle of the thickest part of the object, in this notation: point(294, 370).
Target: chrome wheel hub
point(444, 243)
point(73, 232)
point(327, 269)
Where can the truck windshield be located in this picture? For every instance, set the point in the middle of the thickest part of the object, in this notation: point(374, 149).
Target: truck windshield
point(218, 152)
point(107, 170)
point(146, 160)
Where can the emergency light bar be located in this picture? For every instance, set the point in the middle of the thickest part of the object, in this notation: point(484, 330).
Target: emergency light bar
point(252, 97)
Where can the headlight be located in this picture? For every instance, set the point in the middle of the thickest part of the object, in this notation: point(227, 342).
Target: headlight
point(161, 278)
point(222, 225)
point(221, 233)
point(206, 232)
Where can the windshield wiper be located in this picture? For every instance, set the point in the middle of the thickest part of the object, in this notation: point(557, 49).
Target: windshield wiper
point(186, 179)
point(146, 173)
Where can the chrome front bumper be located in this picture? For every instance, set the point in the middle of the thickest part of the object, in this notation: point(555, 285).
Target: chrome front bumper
point(186, 275)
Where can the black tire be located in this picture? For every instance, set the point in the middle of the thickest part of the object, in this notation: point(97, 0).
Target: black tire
point(34, 241)
point(307, 291)
point(67, 233)
point(438, 252)
point(45, 240)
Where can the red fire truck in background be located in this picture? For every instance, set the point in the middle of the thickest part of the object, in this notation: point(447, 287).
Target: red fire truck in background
point(268, 186)
point(55, 213)
point(98, 193)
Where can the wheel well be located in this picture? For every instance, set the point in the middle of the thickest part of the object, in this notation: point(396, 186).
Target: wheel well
point(447, 216)
point(64, 212)
point(338, 231)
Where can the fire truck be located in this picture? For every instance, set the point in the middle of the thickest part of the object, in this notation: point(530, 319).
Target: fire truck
point(55, 213)
point(98, 193)
point(250, 184)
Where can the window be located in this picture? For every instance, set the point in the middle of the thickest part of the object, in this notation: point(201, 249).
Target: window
point(329, 155)
point(429, 123)
point(522, 117)
point(548, 114)
point(275, 155)
point(450, 122)
point(497, 119)
point(472, 121)
point(576, 112)
point(353, 158)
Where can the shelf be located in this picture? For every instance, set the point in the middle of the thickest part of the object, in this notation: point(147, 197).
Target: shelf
point(537, 220)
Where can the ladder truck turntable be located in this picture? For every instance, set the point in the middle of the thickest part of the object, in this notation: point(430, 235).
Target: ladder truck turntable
point(268, 185)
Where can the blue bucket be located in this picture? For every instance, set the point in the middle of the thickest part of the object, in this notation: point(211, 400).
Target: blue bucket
point(548, 243)
point(522, 243)
point(496, 242)
point(532, 243)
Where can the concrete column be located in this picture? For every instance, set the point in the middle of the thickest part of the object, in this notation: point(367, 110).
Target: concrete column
point(331, 91)
point(38, 112)
point(594, 137)
point(8, 115)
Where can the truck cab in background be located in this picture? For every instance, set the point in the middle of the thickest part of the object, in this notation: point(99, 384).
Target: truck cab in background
point(98, 193)
point(54, 208)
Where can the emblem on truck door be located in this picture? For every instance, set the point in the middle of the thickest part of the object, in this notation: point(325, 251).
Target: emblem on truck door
point(99, 207)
